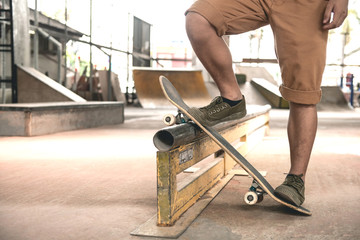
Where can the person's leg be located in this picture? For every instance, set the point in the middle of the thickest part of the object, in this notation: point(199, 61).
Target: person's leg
point(206, 22)
point(302, 61)
point(214, 54)
point(302, 126)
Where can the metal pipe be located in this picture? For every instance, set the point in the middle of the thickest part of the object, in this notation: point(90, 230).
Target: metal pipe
point(109, 75)
point(342, 60)
point(14, 88)
point(174, 136)
point(171, 137)
point(59, 50)
point(128, 60)
point(109, 96)
point(91, 64)
point(66, 39)
point(36, 37)
point(109, 80)
point(3, 62)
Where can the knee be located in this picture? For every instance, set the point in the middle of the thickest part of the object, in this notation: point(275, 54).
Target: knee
point(197, 27)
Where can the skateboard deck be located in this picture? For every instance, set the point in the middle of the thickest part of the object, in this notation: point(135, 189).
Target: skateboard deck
point(260, 184)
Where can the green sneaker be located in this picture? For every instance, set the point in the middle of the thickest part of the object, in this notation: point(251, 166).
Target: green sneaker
point(218, 111)
point(292, 190)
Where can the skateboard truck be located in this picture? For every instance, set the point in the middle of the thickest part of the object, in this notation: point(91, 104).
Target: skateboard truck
point(170, 119)
point(255, 194)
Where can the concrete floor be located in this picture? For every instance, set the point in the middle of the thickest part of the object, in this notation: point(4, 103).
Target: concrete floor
point(101, 184)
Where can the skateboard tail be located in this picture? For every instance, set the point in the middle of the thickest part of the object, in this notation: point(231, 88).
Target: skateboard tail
point(172, 94)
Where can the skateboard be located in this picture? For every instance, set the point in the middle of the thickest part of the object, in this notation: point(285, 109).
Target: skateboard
point(260, 186)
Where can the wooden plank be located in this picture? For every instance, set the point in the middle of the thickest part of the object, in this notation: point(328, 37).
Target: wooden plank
point(166, 188)
point(229, 161)
point(242, 172)
point(199, 183)
point(176, 198)
point(205, 146)
point(198, 150)
point(150, 228)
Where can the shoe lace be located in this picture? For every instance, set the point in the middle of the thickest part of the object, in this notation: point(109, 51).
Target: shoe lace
point(214, 102)
point(295, 181)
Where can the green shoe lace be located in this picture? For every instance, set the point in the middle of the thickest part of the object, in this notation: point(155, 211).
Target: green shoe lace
point(295, 181)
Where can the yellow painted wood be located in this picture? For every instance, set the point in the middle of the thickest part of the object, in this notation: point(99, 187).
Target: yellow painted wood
point(201, 149)
point(166, 187)
point(174, 198)
point(188, 196)
point(206, 146)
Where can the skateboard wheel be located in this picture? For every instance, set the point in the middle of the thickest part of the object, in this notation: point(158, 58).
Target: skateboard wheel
point(260, 197)
point(169, 119)
point(251, 198)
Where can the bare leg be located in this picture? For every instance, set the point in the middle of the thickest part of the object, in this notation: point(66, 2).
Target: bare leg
point(302, 126)
point(214, 55)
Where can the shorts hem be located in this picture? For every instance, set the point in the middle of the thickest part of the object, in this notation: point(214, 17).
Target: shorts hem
point(301, 97)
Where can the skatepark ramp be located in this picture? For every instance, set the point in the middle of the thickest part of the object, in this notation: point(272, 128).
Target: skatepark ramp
point(332, 98)
point(255, 72)
point(192, 169)
point(189, 83)
point(35, 119)
point(35, 87)
point(47, 107)
point(270, 92)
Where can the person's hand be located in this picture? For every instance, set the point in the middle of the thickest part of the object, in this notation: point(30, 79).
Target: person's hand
point(340, 10)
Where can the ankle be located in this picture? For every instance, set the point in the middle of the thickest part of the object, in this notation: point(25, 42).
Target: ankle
point(231, 96)
point(231, 102)
point(301, 175)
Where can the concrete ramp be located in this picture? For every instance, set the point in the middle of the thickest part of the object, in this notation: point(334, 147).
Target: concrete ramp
point(253, 96)
point(116, 94)
point(189, 83)
point(35, 87)
point(34, 119)
point(332, 96)
point(332, 99)
point(255, 72)
point(270, 92)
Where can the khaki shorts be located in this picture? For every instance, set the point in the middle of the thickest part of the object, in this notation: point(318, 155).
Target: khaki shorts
point(300, 42)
